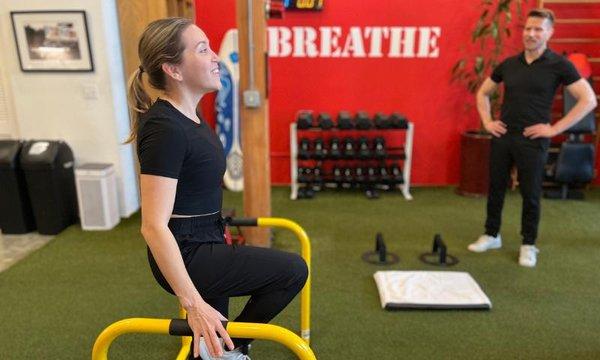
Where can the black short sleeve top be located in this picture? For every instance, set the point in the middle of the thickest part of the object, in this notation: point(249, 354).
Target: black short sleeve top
point(529, 89)
point(172, 145)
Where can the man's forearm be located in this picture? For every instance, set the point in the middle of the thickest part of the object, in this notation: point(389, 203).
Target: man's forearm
point(483, 108)
point(581, 108)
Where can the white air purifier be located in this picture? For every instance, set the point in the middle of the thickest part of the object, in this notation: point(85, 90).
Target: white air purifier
point(97, 196)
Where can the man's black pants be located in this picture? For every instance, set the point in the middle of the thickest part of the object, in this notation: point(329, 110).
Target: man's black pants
point(219, 271)
point(529, 155)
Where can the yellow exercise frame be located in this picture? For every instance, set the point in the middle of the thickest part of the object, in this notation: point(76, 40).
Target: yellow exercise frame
point(300, 346)
point(180, 327)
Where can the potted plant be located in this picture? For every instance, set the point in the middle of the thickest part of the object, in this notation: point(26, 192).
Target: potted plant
point(490, 36)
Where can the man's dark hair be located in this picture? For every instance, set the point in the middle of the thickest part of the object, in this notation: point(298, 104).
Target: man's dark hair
point(542, 13)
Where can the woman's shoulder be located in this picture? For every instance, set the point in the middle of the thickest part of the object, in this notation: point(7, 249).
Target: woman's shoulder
point(161, 118)
point(160, 133)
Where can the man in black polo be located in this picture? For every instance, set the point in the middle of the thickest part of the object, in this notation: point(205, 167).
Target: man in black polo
point(522, 136)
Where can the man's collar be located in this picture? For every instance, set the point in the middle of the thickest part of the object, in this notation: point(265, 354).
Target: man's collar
point(544, 56)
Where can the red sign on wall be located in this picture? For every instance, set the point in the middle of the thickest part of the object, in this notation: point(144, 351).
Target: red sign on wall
point(353, 55)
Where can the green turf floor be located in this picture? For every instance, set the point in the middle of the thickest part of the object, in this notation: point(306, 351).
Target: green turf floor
point(55, 302)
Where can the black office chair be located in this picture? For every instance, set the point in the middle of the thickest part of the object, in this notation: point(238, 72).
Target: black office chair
point(575, 163)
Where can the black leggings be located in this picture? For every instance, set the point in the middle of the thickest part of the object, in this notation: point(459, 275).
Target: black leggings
point(219, 271)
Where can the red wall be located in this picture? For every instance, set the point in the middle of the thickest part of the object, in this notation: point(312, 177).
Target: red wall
point(417, 87)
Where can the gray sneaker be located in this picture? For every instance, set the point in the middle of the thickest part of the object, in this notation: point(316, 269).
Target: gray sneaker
point(485, 243)
point(235, 354)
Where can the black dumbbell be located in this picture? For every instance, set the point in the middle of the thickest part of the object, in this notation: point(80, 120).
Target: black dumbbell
point(362, 121)
point(309, 192)
point(344, 121)
point(324, 121)
point(371, 193)
point(372, 176)
point(301, 193)
point(384, 175)
point(304, 149)
point(364, 152)
point(334, 149)
point(360, 175)
point(379, 147)
point(317, 175)
point(381, 121)
point(348, 176)
point(304, 120)
point(319, 150)
point(301, 177)
point(305, 175)
point(337, 175)
point(398, 121)
point(349, 151)
point(306, 193)
point(396, 174)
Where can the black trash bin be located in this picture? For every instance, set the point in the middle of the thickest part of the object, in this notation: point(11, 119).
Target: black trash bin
point(16, 214)
point(48, 167)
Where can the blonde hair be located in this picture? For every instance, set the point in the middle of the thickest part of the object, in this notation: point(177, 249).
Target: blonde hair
point(160, 43)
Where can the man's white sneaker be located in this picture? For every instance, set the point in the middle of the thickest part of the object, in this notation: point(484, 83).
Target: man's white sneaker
point(485, 243)
point(528, 255)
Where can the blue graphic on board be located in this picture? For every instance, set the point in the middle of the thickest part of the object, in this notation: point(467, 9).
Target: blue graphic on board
point(224, 109)
point(227, 106)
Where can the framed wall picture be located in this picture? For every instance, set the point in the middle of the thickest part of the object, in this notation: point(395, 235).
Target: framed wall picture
point(52, 40)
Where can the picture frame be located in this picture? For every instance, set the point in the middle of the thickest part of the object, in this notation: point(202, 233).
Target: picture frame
point(52, 41)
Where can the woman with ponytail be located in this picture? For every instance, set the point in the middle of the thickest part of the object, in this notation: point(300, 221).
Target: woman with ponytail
point(181, 170)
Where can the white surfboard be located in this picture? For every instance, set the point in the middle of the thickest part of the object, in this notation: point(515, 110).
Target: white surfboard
point(227, 106)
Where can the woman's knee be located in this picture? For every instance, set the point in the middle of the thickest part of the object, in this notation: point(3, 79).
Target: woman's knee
point(298, 270)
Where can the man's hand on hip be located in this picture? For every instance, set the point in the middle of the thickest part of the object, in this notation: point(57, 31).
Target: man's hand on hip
point(539, 131)
point(496, 128)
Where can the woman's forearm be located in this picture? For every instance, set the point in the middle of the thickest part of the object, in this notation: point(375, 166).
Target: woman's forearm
point(166, 253)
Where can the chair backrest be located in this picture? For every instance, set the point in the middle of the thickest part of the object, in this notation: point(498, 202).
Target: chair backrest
point(575, 163)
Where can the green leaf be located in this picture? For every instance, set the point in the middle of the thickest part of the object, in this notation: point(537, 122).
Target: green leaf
point(484, 14)
point(476, 31)
point(478, 67)
point(485, 29)
point(489, 33)
point(472, 86)
point(459, 65)
point(504, 5)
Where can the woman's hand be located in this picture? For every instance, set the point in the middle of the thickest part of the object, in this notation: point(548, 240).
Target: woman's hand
point(205, 321)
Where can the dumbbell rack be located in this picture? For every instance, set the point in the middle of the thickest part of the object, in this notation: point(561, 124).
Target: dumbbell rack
point(403, 154)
